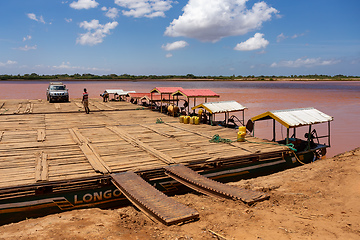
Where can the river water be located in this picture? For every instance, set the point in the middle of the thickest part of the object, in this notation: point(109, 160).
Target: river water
point(340, 100)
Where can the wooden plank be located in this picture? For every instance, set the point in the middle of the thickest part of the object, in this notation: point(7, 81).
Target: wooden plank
point(152, 202)
point(161, 156)
point(41, 135)
point(45, 167)
point(81, 137)
point(89, 151)
point(41, 167)
point(74, 136)
point(97, 166)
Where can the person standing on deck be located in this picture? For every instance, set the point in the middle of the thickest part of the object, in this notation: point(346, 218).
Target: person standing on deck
point(85, 101)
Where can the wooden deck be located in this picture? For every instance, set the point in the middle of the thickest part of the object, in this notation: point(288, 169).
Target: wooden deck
point(41, 141)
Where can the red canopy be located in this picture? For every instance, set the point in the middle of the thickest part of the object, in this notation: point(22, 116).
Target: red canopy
point(192, 93)
point(166, 90)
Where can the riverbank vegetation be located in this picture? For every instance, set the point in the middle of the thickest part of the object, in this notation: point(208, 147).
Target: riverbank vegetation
point(127, 77)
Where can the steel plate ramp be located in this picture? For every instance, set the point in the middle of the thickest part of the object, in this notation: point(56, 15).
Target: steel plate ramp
point(152, 202)
point(210, 187)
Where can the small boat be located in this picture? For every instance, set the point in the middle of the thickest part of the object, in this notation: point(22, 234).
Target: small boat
point(305, 149)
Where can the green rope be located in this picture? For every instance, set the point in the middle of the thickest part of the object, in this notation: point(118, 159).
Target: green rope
point(139, 108)
point(217, 139)
point(159, 120)
point(290, 145)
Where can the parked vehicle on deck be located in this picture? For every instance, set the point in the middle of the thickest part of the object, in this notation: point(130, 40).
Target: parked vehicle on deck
point(57, 92)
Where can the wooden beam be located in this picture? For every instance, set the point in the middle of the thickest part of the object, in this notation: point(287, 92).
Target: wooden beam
point(41, 134)
point(157, 131)
point(18, 109)
point(156, 153)
point(41, 167)
point(93, 157)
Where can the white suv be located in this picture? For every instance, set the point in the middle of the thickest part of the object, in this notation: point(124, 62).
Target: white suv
point(57, 92)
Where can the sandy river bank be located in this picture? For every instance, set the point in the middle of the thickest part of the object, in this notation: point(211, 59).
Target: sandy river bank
point(314, 201)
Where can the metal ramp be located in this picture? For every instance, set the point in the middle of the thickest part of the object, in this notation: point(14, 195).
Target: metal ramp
point(210, 187)
point(152, 202)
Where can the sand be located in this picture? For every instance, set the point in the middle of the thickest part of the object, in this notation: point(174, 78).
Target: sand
point(315, 201)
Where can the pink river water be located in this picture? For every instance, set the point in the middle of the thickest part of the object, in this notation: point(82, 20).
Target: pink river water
point(340, 100)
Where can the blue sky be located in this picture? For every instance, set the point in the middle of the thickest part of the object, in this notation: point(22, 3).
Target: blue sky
point(161, 37)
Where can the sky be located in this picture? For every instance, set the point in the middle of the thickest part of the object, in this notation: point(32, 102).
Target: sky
point(180, 37)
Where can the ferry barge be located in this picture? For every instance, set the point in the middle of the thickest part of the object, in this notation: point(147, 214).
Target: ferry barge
point(55, 158)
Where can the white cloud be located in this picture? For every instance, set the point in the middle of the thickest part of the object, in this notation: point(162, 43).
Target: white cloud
point(145, 8)
point(32, 16)
point(169, 55)
point(212, 20)
point(84, 4)
point(297, 35)
point(282, 37)
point(305, 62)
point(253, 43)
point(174, 46)
point(96, 32)
point(111, 12)
point(9, 62)
point(28, 37)
point(68, 20)
point(67, 66)
point(41, 19)
point(27, 48)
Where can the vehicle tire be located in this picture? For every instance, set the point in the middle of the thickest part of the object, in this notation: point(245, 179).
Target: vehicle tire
point(50, 100)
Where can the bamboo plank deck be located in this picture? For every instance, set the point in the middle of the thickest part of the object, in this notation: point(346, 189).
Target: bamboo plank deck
point(41, 141)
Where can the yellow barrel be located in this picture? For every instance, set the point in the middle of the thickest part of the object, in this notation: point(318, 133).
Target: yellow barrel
point(242, 129)
point(192, 120)
point(241, 134)
point(187, 119)
point(197, 121)
point(200, 113)
point(181, 119)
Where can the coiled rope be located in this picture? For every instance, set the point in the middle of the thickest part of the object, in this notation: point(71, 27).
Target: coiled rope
point(217, 139)
point(159, 120)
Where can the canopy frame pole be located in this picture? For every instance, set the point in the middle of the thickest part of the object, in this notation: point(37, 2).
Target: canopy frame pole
point(161, 102)
point(243, 117)
point(329, 133)
point(253, 131)
point(194, 104)
point(308, 138)
point(151, 100)
point(287, 135)
point(188, 107)
point(274, 131)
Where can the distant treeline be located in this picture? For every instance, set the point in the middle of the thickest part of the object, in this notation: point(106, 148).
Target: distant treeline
point(34, 76)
